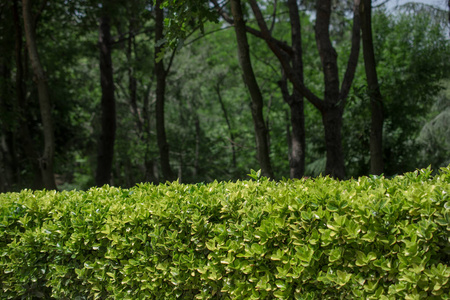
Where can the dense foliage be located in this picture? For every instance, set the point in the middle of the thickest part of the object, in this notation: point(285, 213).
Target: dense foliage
point(207, 107)
point(366, 238)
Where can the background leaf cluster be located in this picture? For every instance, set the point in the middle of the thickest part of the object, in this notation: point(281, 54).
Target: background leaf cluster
point(207, 110)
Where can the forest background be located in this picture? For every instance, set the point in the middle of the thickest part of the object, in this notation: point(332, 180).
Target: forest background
point(106, 92)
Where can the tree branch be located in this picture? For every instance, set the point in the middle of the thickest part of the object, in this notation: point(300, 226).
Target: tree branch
point(354, 53)
point(381, 4)
point(274, 14)
point(285, 47)
point(282, 83)
point(205, 34)
point(172, 56)
point(129, 34)
point(284, 59)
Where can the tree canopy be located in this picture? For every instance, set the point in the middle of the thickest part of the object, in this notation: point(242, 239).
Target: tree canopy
point(191, 59)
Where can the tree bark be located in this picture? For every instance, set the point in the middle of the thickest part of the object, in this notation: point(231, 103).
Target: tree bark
point(332, 122)
point(333, 110)
point(295, 101)
point(297, 157)
point(376, 100)
point(161, 75)
point(105, 152)
point(47, 158)
point(253, 88)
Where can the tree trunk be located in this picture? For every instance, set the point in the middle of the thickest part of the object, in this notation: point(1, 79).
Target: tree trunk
point(24, 132)
point(46, 160)
point(161, 75)
point(105, 152)
point(227, 120)
point(297, 136)
point(332, 122)
point(376, 100)
point(197, 146)
point(333, 110)
point(253, 88)
point(132, 82)
point(151, 174)
point(297, 156)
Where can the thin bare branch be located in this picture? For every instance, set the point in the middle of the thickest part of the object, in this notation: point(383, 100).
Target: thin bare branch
point(172, 56)
point(274, 15)
point(207, 33)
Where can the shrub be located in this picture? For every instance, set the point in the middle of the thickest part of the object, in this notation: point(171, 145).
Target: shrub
point(372, 238)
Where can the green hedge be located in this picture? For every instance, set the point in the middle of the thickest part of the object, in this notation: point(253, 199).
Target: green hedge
point(371, 238)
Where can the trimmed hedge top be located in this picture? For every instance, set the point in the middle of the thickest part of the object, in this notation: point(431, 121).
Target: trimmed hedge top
point(371, 238)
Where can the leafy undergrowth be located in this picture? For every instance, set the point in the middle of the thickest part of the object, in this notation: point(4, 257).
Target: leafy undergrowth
point(371, 238)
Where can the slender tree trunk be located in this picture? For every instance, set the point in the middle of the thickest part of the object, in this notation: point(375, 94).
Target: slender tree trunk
point(376, 100)
point(105, 152)
point(253, 88)
point(24, 132)
point(297, 157)
point(46, 160)
point(132, 82)
point(132, 88)
point(268, 107)
point(288, 133)
point(227, 119)
point(297, 136)
point(161, 75)
point(180, 168)
point(151, 174)
point(197, 146)
point(296, 104)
